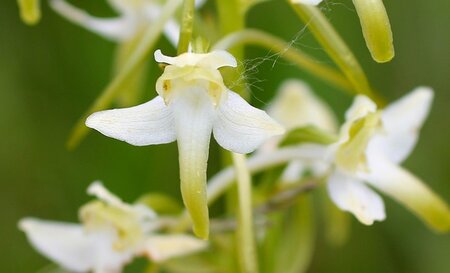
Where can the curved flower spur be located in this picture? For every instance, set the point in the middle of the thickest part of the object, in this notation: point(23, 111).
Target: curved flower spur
point(192, 103)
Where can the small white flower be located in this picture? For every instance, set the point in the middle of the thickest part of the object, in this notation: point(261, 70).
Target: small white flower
point(193, 102)
point(372, 144)
point(296, 106)
point(134, 17)
point(112, 234)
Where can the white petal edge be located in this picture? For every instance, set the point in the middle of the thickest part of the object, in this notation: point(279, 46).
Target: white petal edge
point(352, 195)
point(116, 29)
point(307, 2)
point(411, 192)
point(296, 105)
point(64, 243)
point(212, 60)
point(160, 248)
point(242, 128)
point(402, 121)
point(145, 124)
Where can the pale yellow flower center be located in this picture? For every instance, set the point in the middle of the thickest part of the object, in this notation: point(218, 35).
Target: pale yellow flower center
point(98, 216)
point(351, 155)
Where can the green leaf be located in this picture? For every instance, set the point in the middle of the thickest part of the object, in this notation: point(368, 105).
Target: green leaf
point(308, 134)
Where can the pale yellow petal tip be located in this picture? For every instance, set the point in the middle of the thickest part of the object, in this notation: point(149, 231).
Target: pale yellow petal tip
point(30, 11)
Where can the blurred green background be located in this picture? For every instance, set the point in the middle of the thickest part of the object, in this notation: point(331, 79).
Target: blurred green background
point(49, 74)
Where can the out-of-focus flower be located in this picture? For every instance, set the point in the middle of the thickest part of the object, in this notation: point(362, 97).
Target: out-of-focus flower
point(112, 233)
point(372, 144)
point(134, 17)
point(297, 106)
point(193, 102)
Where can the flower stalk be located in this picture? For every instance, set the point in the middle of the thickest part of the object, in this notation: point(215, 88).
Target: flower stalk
point(245, 235)
point(187, 26)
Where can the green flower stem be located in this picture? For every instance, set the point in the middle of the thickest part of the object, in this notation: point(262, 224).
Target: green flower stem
point(303, 61)
point(136, 60)
point(232, 19)
point(376, 29)
point(336, 48)
point(245, 235)
point(187, 26)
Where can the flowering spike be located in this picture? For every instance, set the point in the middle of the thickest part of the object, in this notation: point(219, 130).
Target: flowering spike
point(30, 11)
point(376, 29)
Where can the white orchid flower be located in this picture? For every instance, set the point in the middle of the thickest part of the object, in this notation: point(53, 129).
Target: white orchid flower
point(193, 102)
point(134, 17)
point(112, 233)
point(372, 144)
point(295, 105)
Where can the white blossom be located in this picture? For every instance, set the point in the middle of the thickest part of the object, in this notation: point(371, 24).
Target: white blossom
point(192, 103)
point(372, 145)
point(295, 105)
point(112, 233)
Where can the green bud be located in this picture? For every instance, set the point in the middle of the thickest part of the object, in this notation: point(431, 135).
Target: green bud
point(30, 11)
point(376, 29)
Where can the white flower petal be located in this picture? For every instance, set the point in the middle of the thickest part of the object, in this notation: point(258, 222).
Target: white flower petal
point(160, 248)
point(115, 29)
point(402, 121)
point(64, 243)
point(241, 127)
point(296, 105)
point(145, 124)
point(212, 60)
point(194, 116)
point(352, 195)
point(307, 2)
point(71, 247)
point(172, 32)
point(411, 192)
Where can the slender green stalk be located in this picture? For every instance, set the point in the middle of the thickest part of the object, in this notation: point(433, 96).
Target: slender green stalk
point(136, 60)
point(232, 19)
point(303, 61)
point(187, 26)
point(245, 235)
point(336, 48)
